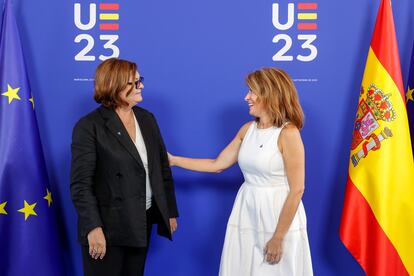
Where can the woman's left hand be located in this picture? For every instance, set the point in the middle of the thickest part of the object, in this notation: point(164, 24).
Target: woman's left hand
point(173, 225)
point(273, 250)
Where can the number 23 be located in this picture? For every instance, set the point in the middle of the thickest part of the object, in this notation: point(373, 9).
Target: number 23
point(307, 44)
point(83, 54)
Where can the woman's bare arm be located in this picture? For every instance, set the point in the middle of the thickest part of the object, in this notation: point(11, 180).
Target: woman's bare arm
point(225, 159)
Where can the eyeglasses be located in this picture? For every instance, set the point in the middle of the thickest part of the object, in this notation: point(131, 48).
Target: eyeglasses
point(137, 82)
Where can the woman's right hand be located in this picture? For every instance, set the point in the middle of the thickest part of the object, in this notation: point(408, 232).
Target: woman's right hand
point(97, 243)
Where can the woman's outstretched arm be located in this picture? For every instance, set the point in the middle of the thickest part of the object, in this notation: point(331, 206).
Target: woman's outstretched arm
point(225, 159)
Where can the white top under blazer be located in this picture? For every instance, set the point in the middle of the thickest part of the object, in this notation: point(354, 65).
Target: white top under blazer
point(142, 150)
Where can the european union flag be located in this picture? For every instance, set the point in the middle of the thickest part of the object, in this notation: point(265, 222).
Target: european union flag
point(409, 97)
point(29, 241)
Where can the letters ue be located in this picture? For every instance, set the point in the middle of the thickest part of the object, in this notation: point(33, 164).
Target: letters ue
point(306, 17)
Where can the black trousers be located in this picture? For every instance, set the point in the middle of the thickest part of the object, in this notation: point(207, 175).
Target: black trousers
point(119, 260)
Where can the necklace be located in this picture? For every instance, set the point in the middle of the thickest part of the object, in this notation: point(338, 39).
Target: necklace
point(263, 135)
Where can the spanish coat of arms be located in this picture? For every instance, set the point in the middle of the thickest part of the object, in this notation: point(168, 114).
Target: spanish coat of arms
point(374, 106)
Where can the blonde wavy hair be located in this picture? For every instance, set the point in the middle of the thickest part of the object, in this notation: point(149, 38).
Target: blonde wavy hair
point(275, 89)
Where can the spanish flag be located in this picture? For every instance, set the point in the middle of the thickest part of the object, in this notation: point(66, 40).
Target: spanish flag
point(377, 224)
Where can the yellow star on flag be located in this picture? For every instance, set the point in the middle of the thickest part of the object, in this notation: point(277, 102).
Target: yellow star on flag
point(32, 101)
point(2, 206)
point(28, 210)
point(409, 95)
point(48, 197)
point(11, 93)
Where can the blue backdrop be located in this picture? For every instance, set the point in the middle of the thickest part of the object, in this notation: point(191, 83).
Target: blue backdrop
point(194, 56)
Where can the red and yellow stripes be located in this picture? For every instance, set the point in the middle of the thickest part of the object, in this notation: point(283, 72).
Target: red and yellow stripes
point(110, 13)
point(307, 16)
point(377, 224)
point(365, 239)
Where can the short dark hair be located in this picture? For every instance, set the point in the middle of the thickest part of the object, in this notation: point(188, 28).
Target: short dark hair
point(112, 77)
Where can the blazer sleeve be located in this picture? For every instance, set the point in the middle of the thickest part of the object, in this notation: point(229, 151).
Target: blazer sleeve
point(166, 174)
point(82, 177)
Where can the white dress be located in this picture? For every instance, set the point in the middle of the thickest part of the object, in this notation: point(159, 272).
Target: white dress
point(256, 212)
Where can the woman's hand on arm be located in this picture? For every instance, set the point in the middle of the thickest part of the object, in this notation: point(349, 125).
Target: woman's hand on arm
point(293, 154)
point(225, 159)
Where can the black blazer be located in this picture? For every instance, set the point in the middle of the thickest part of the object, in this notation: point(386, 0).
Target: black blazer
point(108, 178)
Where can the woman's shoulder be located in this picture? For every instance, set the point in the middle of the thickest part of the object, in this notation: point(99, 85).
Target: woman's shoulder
point(243, 130)
point(89, 117)
point(289, 128)
point(247, 125)
point(289, 135)
point(88, 120)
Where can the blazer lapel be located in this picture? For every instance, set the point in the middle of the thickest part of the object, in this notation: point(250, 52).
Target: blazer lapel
point(116, 127)
point(146, 134)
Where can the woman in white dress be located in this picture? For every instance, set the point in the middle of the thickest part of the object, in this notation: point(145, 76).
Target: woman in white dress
point(266, 232)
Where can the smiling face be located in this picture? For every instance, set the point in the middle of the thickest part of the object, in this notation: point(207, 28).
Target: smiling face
point(272, 94)
point(117, 83)
point(132, 94)
point(256, 107)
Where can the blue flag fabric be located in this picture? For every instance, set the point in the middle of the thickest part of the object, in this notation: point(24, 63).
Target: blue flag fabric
point(29, 240)
point(410, 98)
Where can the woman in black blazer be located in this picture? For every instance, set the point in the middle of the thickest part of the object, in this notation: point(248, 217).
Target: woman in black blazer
point(121, 182)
